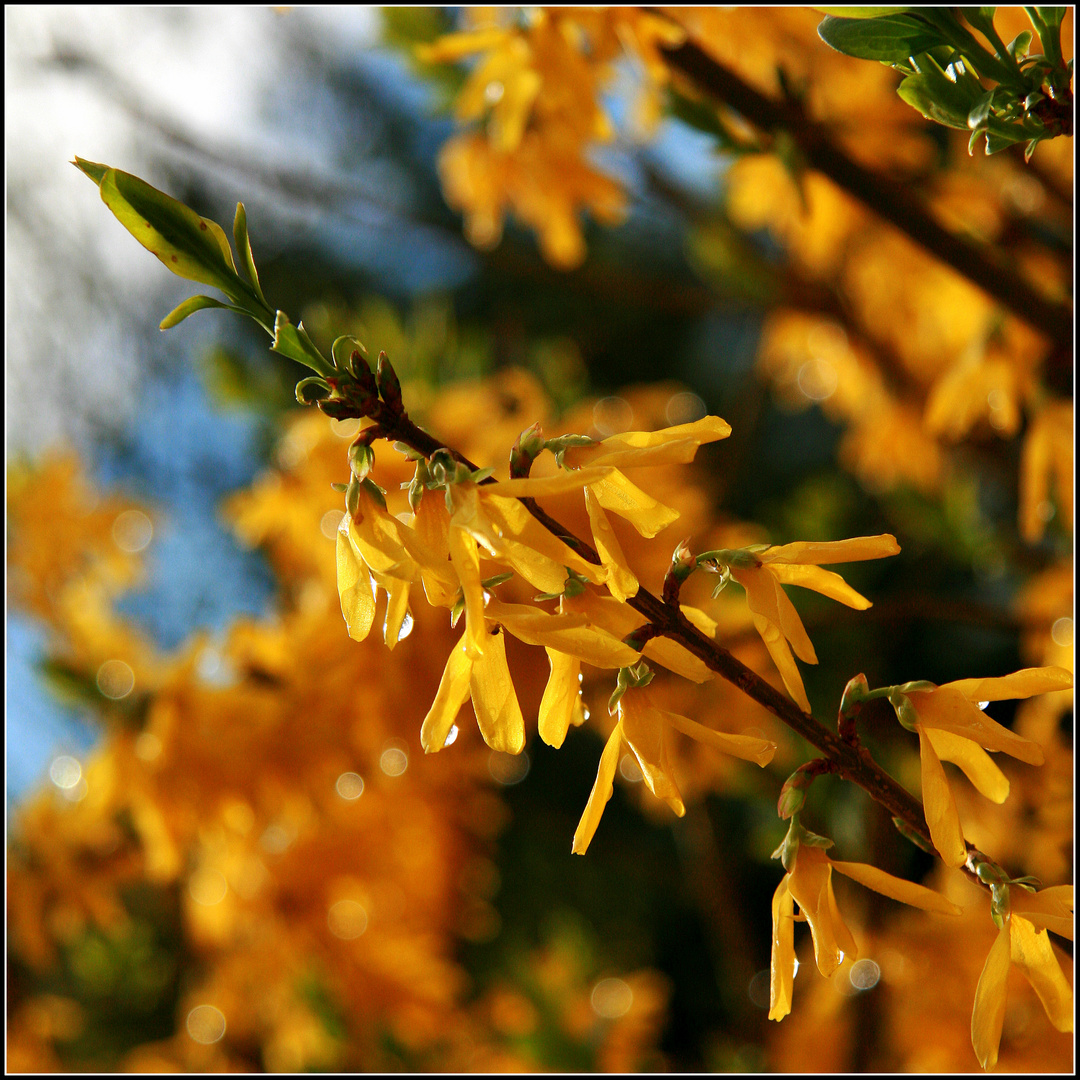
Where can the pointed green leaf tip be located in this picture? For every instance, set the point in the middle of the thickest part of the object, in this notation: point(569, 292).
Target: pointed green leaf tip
point(91, 169)
point(191, 246)
point(189, 307)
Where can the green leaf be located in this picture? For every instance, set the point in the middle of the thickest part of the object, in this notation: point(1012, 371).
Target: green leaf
point(190, 246)
point(937, 97)
point(889, 38)
point(243, 246)
point(998, 139)
point(91, 168)
point(1019, 44)
point(1051, 16)
point(980, 113)
point(293, 342)
point(190, 306)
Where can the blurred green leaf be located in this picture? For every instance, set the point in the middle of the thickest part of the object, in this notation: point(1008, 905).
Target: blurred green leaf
point(190, 306)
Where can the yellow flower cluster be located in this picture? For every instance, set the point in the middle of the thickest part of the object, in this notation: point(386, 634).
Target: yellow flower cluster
point(535, 87)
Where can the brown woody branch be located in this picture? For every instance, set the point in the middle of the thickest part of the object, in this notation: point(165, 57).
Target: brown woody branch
point(980, 264)
point(849, 760)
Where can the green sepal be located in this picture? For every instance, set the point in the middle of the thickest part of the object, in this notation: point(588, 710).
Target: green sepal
point(374, 491)
point(243, 246)
point(908, 833)
point(312, 389)
point(293, 342)
point(889, 38)
point(638, 675)
point(342, 351)
point(193, 304)
point(361, 459)
point(497, 579)
point(905, 711)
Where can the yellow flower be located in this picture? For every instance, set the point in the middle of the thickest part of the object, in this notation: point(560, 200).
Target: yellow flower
point(809, 884)
point(486, 679)
point(1022, 942)
point(951, 727)
point(1047, 454)
point(675, 445)
point(644, 729)
point(775, 617)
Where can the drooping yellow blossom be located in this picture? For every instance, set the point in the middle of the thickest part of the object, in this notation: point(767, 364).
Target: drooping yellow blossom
point(952, 727)
point(1023, 941)
point(633, 449)
point(1047, 455)
point(561, 704)
point(775, 616)
point(809, 884)
point(644, 728)
point(486, 679)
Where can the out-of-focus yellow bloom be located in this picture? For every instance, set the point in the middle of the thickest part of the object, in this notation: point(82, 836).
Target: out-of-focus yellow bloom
point(1023, 941)
point(644, 729)
point(1047, 455)
point(775, 616)
point(809, 884)
point(990, 385)
point(486, 679)
point(952, 727)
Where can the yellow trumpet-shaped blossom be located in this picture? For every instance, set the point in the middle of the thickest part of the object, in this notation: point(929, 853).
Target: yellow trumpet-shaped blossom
point(809, 884)
point(775, 616)
point(644, 728)
point(1023, 941)
point(952, 727)
point(486, 679)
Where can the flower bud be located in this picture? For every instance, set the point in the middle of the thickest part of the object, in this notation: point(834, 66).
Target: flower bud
point(389, 386)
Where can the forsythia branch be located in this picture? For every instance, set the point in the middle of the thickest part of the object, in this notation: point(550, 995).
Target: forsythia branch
point(849, 760)
point(979, 264)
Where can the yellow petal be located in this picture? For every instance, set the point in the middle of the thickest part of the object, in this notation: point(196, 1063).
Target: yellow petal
point(940, 807)
point(907, 892)
point(809, 883)
point(975, 762)
point(451, 695)
point(397, 607)
point(517, 525)
point(644, 730)
point(822, 581)
point(621, 581)
point(765, 598)
point(1031, 953)
point(678, 452)
point(354, 588)
point(784, 661)
point(782, 965)
point(699, 620)
point(569, 633)
point(617, 494)
point(677, 658)
point(988, 1015)
point(1020, 684)
point(845, 942)
point(950, 710)
point(601, 792)
point(428, 542)
point(533, 487)
point(747, 747)
point(560, 697)
point(451, 47)
point(466, 560)
point(495, 700)
point(856, 549)
point(1048, 909)
point(377, 536)
point(707, 429)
